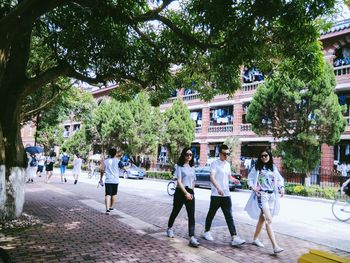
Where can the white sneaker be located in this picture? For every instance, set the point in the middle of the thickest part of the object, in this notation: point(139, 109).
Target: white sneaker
point(277, 250)
point(237, 241)
point(170, 233)
point(207, 236)
point(258, 243)
point(193, 242)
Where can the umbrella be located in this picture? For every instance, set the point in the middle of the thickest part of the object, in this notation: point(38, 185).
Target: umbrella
point(34, 149)
point(95, 157)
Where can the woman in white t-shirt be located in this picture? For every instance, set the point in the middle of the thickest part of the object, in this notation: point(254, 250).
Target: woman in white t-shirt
point(266, 184)
point(77, 162)
point(184, 194)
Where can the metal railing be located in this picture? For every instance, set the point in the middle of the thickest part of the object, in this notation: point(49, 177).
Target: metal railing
point(246, 127)
point(251, 86)
point(171, 100)
point(198, 130)
point(342, 70)
point(193, 96)
point(220, 128)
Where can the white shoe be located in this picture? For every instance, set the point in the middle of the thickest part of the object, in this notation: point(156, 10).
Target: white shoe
point(207, 236)
point(258, 243)
point(277, 250)
point(170, 233)
point(193, 242)
point(237, 241)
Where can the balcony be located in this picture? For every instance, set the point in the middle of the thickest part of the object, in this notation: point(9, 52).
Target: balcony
point(246, 127)
point(342, 70)
point(251, 86)
point(220, 129)
point(198, 130)
point(193, 96)
point(170, 100)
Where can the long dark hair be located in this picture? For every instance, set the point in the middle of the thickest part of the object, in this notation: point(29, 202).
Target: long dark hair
point(260, 164)
point(181, 160)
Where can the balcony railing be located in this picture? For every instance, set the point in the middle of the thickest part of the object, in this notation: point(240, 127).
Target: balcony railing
point(220, 128)
point(190, 97)
point(171, 100)
point(251, 86)
point(342, 70)
point(246, 127)
point(198, 130)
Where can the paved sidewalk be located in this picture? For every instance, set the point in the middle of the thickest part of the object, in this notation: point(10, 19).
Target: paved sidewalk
point(75, 229)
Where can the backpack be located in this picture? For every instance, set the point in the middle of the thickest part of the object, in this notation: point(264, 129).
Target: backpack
point(33, 162)
point(65, 159)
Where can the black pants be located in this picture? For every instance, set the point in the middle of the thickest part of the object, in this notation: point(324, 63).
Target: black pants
point(179, 201)
point(226, 206)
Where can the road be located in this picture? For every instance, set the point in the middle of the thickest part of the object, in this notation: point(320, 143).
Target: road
point(304, 218)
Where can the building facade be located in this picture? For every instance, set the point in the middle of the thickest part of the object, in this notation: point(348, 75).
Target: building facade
point(225, 116)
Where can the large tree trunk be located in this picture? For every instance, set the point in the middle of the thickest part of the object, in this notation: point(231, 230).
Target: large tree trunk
point(12, 159)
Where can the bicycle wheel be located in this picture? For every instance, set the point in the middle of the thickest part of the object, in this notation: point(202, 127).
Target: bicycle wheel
point(341, 210)
point(171, 188)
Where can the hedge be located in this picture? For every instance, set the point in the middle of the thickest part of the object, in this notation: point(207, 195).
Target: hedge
point(313, 190)
point(159, 175)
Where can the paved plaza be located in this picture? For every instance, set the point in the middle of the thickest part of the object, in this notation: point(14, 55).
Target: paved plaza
point(74, 228)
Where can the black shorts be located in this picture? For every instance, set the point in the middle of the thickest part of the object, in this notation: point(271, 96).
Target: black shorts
point(40, 168)
point(111, 189)
point(49, 167)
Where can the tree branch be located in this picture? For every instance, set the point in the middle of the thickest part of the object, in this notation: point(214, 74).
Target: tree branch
point(41, 107)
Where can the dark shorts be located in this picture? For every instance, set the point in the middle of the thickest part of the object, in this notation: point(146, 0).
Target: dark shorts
point(40, 168)
point(111, 189)
point(49, 167)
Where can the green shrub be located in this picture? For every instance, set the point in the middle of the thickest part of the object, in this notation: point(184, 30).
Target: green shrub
point(330, 192)
point(244, 183)
point(159, 175)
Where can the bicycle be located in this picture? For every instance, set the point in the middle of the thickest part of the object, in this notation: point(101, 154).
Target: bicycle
point(171, 187)
point(341, 208)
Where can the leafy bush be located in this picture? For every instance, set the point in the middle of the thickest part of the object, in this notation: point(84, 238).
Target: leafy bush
point(244, 183)
point(313, 190)
point(159, 175)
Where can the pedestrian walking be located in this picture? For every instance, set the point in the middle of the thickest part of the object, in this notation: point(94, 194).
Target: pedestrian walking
point(110, 168)
point(77, 163)
point(220, 173)
point(92, 167)
point(31, 167)
point(184, 194)
point(266, 183)
point(41, 163)
point(50, 161)
point(64, 160)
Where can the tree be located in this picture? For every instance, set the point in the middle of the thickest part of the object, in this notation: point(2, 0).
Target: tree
point(146, 124)
point(178, 130)
point(78, 144)
point(133, 44)
point(301, 110)
point(112, 124)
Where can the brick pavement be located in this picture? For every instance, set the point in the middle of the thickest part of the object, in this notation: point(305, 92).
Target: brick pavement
point(74, 232)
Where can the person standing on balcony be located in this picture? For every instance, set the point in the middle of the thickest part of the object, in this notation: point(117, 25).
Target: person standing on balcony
point(266, 183)
point(220, 173)
point(184, 194)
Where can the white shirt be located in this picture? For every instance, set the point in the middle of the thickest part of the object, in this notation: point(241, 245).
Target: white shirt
point(222, 172)
point(186, 174)
point(111, 170)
